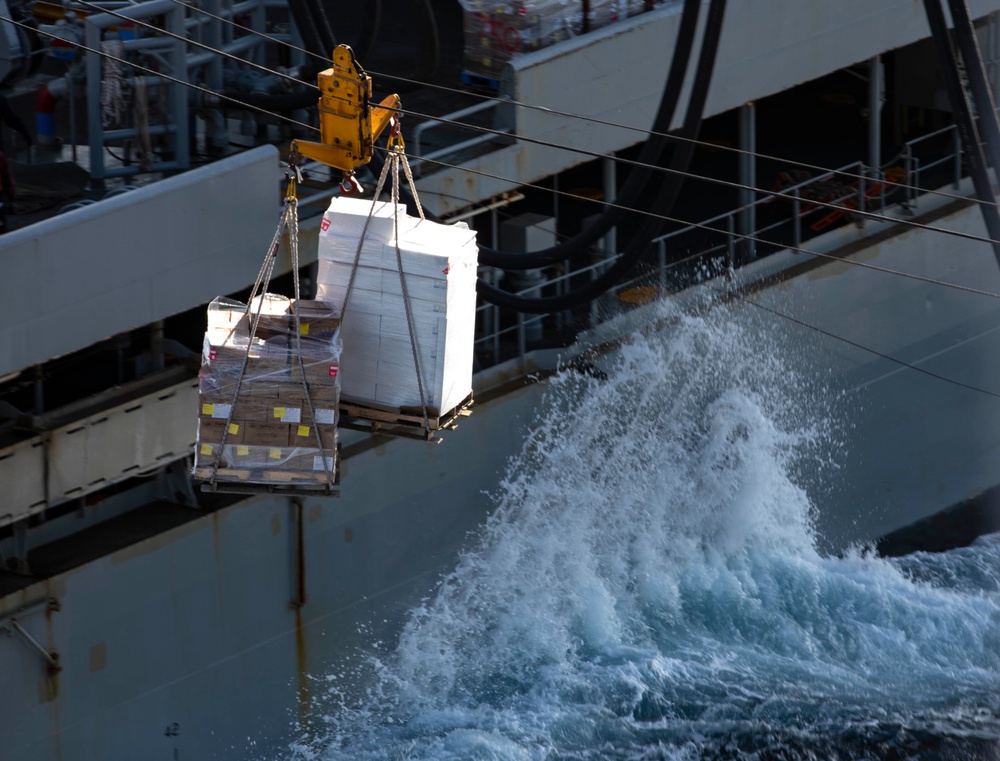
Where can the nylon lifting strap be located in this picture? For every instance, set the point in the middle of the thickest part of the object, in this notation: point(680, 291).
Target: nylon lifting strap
point(396, 157)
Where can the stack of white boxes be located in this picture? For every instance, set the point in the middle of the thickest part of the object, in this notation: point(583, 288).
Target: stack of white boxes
point(439, 264)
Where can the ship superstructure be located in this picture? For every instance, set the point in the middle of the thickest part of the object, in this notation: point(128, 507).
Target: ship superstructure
point(144, 618)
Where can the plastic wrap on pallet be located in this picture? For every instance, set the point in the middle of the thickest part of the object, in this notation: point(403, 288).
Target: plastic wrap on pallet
point(439, 264)
point(271, 434)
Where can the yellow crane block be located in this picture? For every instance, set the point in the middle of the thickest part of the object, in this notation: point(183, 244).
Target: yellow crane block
point(348, 123)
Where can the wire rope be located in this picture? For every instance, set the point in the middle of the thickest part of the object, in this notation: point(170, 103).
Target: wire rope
point(602, 122)
point(741, 236)
point(522, 263)
point(757, 239)
point(197, 44)
point(666, 196)
point(167, 77)
point(870, 350)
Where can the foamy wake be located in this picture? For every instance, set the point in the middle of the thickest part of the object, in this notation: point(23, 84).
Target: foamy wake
point(649, 584)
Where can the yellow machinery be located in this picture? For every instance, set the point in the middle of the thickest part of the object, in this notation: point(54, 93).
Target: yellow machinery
point(349, 124)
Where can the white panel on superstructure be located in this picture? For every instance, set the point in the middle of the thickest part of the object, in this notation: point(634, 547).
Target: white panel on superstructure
point(128, 261)
point(617, 75)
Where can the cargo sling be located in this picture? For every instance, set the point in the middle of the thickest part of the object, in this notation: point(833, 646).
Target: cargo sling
point(396, 156)
point(289, 220)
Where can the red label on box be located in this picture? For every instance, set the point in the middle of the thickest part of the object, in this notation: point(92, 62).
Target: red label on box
point(446, 269)
point(324, 225)
point(212, 354)
point(333, 371)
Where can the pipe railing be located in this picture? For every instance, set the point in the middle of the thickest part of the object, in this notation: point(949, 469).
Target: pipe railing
point(867, 190)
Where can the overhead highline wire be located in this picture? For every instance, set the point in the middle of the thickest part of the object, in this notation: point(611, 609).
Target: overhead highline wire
point(741, 236)
point(875, 216)
point(756, 239)
point(161, 75)
point(833, 206)
point(581, 117)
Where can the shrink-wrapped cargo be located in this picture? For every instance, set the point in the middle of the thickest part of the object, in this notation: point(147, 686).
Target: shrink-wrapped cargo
point(258, 423)
point(439, 264)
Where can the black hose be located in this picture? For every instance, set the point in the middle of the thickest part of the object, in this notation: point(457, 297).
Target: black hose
point(635, 183)
point(281, 103)
point(638, 178)
point(665, 199)
point(303, 15)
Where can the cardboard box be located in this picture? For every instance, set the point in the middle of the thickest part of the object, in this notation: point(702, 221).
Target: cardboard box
point(317, 319)
point(268, 423)
point(310, 461)
point(210, 431)
point(207, 455)
point(265, 434)
point(305, 436)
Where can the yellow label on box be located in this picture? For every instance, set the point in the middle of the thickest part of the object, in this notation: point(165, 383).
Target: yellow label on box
point(304, 329)
point(279, 412)
point(207, 409)
point(242, 451)
point(206, 449)
point(303, 430)
point(233, 429)
point(275, 453)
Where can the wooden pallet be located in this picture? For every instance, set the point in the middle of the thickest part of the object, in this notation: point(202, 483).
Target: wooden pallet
point(404, 422)
point(305, 483)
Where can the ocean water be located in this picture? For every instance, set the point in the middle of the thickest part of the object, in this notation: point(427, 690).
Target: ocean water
point(649, 587)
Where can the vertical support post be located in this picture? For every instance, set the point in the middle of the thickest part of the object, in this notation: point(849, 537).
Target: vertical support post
point(661, 250)
point(992, 72)
point(156, 346)
point(39, 390)
point(876, 97)
point(796, 220)
point(522, 339)
point(956, 180)
point(20, 530)
point(215, 126)
point(94, 128)
point(179, 93)
point(731, 243)
point(748, 177)
point(862, 191)
point(495, 310)
point(71, 91)
point(610, 196)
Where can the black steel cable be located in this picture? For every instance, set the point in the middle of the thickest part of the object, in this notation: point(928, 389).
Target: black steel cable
point(740, 236)
point(635, 184)
point(555, 112)
point(665, 199)
point(197, 44)
point(868, 349)
point(167, 77)
point(757, 239)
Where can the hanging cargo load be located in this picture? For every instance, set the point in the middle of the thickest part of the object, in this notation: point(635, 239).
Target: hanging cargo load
point(268, 404)
point(397, 379)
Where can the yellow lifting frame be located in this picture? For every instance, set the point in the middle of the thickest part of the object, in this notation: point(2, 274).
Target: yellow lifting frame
point(348, 123)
